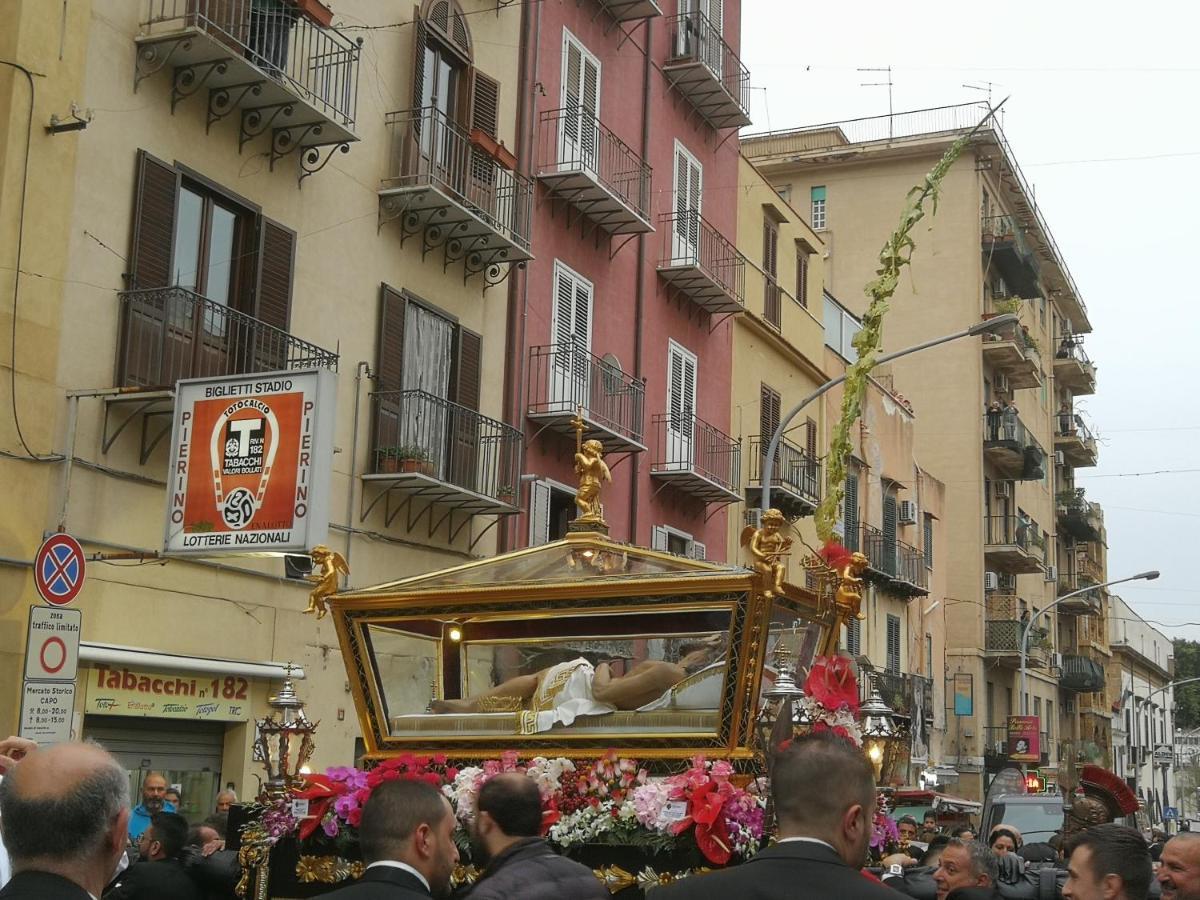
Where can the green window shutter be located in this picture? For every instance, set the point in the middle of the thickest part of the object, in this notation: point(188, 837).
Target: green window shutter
point(850, 514)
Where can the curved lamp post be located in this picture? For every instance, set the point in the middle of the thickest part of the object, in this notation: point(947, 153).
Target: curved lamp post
point(768, 470)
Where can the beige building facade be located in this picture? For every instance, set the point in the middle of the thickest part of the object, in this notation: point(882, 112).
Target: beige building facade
point(254, 190)
point(988, 407)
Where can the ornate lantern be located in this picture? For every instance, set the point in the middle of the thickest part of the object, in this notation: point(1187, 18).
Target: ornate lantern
point(285, 741)
point(879, 728)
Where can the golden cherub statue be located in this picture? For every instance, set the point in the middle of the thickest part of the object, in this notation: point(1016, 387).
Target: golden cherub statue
point(331, 565)
point(592, 471)
point(849, 593)
point(767, 550)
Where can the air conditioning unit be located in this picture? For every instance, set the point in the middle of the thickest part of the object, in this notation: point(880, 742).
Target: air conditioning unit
point(1060, 458)
point(1056, 661)
point(991, 581)
point(1052, 573)
point(1002, 385)
point(1003, 489)
point(908, 512)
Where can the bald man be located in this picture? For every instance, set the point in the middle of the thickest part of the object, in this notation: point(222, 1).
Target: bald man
point(154, 801)
point(1179, 867)
point(64, 812)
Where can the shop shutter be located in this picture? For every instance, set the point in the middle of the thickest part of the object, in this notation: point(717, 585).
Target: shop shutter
point(276, 262)
point(153, 224)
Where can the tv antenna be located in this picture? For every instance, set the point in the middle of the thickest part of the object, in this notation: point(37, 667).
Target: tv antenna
point(985, 87)
point(888, 84)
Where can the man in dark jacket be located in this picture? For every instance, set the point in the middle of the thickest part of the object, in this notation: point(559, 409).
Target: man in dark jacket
point(520, 864)
point(159, 871)
point(823, 789)
point(968, 870)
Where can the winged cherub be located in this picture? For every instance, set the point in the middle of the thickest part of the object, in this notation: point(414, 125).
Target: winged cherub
point(331, 565)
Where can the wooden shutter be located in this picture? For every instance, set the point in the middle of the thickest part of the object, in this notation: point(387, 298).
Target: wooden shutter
point(771, 306)
point(768, 414)
point(153, 224)
point(854, 637)
point(485, 116)
point(539, 513)
point(467, 369)
point(689, 181)
point(276, 262)
point(802, 277)
point(389, 360)
point(890, 517)
point(893, 644)
point(420, 38)
point(572, 56)
point(697, 550)
point(659, 538)
point(850, 513)
point(928, 541)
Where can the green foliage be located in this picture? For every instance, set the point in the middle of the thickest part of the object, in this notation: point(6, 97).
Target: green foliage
point(896, 254)
point(1187, 698)
point(1007, 305)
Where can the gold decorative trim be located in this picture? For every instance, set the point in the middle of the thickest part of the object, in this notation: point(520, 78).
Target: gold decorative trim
point(617, 879)
point(327, 869)
point(500, 704)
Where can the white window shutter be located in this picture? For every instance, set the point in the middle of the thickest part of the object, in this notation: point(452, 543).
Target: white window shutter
point(698, 550)
point(658, 538)
point(539, 513)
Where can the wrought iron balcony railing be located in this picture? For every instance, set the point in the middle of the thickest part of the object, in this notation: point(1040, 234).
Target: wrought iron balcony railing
point(700, 458)
point(701, 264)
point(879, 550)
point(478, 206)
point(1005, 245)
point(416, 433)
point(1072, 367)
point(796, 483)
point(583, 162)
point(566, 380)
point(1010, 446)
point(706, 70)
point(910, 567)
point(901, 565)
point(1081, 674)
point(1015, 531)
point(172, 333)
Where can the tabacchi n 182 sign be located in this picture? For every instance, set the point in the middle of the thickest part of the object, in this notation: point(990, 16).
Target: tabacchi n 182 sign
point(250, 463)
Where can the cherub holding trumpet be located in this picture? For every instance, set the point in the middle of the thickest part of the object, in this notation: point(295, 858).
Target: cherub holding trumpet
point(768, 549)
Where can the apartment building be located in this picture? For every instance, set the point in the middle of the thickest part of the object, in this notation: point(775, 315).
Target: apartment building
point(251, 188)
point(989, 408)
point(1140, 673)
point(624, 315)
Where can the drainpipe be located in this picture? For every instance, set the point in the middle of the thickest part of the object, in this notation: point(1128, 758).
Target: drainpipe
point(518, 289)
point(639, 292)
point(362, 367)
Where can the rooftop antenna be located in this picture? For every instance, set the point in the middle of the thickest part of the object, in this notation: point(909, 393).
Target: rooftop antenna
point(985, 87)
point(887, 84)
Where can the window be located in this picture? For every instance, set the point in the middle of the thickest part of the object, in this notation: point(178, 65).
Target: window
point(785, 192)
point(551, 508)
point(672, 540)
point(893, 644)
point(929, 656)
point(770, 264)
point(1049, 727)
point(681, 404)
point(802, 277)
point(850, 512)
point(840, 329)
point(818, 208)
point(571, 327)
point(579, 139)
point(854, 638)
point(768, 415)
point(928, 541)
point(689, 184)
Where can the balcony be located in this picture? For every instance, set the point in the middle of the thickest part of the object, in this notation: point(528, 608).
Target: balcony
point(905, 694)
point(1072, 368)
point(697, 458)
point(1089, 603)
point(1077, 517)
point(706, 71)
point(1005, 617)
point(896, 566)
point(630, 10)
point(459, 198)
point(434, 458)
point(1075, 440)
point(1005, 246)
point(167, 334)
point(1010, 447)
point(699, 264)
point(1012, 352)
point(1014, 544)
point(281, 71)
point(589, 168)
point(796, 482)
point(1081, 674)
point(565, 380)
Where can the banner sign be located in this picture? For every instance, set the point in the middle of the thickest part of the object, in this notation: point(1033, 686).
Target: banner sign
point(250, 463)
point(120, 691)
point(1023, 739)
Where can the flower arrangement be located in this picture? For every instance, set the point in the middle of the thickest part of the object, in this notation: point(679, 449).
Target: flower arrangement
point(830, 700)
point(885, 836)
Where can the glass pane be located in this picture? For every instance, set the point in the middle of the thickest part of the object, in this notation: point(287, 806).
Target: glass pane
point(185, 267)
point(220, 255)
point(406, 664)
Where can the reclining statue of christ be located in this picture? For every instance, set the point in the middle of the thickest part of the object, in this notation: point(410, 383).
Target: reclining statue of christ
point(559, 694)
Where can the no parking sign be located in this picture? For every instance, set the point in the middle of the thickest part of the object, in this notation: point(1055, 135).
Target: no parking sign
point(58, 569)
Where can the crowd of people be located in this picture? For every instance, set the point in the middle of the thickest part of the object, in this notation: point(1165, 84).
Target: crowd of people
point(67, 824)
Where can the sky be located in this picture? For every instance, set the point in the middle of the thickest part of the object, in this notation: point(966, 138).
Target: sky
point(1102, 116)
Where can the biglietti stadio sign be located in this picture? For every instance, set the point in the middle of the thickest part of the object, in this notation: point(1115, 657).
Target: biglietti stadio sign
point(250, 463)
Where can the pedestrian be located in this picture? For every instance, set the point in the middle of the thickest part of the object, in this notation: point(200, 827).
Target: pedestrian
point(65, 811)
point(967, 870)
point(964, 833)
point(1004, 839)
point(823, 791)
point(215, 870)
point(1179, 869)
point(225, 799)
point(1009, 417)
point(12, 749)
point(1107, 862)
point(993, 421)
point(173, 797)
point(906, 827)
point(506, 838)
point(154, 794)
point(929, 826)
point(159, 871)
point(407, 840)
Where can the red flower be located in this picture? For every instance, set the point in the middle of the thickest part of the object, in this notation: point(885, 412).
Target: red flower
point(831, 683)
point(834, 554)
point(319, 791)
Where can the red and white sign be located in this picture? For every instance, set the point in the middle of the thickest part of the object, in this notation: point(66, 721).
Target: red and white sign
point(58, 569)
point(52, 649)
point(250, 463)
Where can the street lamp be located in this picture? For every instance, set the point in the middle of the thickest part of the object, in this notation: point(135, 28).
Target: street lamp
point(768, 471)
point(1140, 576)
point(879, 729)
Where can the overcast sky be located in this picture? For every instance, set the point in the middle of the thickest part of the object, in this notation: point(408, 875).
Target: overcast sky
point(1103, 119)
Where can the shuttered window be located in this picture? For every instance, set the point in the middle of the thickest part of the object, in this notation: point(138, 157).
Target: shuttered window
point(850, 512)
point(817, 196)
point(277, 255)
point(768, 414)
point(485, 117)
point(928, 541)
point(397, 314)
point(153, 224)
point(689, 185)
point(580, 103)
point(802, 277)
point(681, 398)
point(893, 644)
point(771, 305)
point(890, 516)
point(854, 637)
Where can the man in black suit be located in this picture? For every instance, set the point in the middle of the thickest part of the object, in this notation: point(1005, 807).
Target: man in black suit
point(407, 840)
point(65, 816)
point(159, 871)
point(823, 789)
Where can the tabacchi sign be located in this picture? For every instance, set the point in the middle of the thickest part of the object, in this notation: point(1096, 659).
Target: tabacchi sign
point(250, 463)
